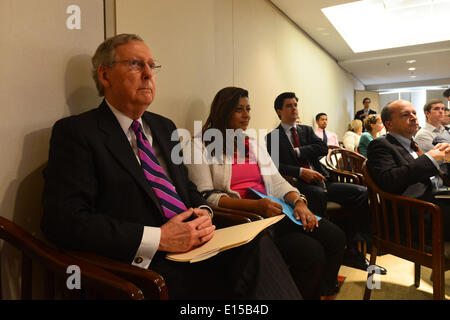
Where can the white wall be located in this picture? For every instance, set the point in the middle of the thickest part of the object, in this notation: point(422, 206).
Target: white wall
point(205, 45)
point(45, 75)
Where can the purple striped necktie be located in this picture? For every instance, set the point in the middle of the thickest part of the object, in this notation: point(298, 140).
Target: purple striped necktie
point(168, 197)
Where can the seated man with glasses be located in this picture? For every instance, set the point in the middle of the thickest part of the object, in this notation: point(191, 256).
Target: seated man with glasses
point(112, 189)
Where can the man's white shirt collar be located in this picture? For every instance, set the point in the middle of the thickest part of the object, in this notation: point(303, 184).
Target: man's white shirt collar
point(287, 127)
point(124, 121)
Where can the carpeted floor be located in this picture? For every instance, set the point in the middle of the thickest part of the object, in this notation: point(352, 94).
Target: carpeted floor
point(397, 284)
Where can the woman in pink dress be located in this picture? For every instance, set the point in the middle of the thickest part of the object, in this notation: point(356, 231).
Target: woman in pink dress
point(313, 251)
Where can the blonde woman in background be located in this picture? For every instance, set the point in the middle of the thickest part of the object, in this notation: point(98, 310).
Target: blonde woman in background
point(373, 126)
point(352, 136)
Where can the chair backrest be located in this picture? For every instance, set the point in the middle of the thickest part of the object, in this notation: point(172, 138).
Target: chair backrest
point(346, 160)
point(94, 282)
point(399, 225)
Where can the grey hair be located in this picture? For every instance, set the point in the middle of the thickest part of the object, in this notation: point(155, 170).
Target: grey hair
point(105, 54)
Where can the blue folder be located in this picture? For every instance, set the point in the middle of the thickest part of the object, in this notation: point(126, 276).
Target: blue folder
point(287, 209)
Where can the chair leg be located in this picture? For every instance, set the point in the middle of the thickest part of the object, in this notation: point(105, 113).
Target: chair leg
point(373, 258)
point(438, 285)
point(416, 275)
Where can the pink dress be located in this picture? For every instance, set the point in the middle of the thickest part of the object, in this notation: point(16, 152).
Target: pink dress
point(246, 175)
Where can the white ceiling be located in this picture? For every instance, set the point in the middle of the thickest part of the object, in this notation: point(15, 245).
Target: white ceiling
point(377, 69)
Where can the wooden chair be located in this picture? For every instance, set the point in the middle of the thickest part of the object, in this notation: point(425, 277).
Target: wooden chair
point(95, 282)
point(346, 161)
point(251, 216)
point(393, 232)
point(98, 271)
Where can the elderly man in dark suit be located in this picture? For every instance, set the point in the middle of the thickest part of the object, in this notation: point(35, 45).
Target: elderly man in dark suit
point(297, 151)
point(399, 166)
point(111, 188)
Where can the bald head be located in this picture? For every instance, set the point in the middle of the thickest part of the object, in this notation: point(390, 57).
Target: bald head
point(399, 117)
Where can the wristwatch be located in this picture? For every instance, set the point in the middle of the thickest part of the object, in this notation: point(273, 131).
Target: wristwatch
point(210, 211)
point(303, 198)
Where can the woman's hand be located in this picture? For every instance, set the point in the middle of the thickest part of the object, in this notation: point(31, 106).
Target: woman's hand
point(308, 219)
point(268, 208)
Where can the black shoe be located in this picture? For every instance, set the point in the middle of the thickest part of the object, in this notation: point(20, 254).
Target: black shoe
point(378, 269)
point(358, 261)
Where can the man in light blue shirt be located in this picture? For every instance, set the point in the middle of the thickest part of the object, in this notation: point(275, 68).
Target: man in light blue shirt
point(434, 112)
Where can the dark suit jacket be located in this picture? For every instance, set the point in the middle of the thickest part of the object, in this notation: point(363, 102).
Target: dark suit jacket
point(396, 171)
point(96, 197)
point(358, 115)
point(312, 148)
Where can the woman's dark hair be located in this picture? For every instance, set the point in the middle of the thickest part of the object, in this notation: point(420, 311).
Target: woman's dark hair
point(222, 107)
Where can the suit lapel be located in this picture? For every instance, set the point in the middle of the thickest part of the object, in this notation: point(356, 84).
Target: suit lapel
point(397, 145)
point(120, 148)
point(301, 136)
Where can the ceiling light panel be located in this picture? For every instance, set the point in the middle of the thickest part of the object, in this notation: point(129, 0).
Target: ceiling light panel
point(370, 25)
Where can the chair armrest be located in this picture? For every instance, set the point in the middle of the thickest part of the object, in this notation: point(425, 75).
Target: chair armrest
point(251, 216)
point(223, 219)
point(56, 263)
point(151, 283)
point(345, 176)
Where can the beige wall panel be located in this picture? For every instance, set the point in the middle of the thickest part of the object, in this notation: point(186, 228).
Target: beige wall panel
point(205, 45)
point(272, 56)
point(45, 75)
point(193, 42)
point(374, 100)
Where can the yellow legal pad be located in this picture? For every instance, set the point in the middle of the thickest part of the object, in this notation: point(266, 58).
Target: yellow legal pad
point(225, 239)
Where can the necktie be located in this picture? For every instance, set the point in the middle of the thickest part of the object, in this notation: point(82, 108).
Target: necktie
point(296, 143)
point(325, 138)
point(416, 148)
point(168, 197)
point(295, 139)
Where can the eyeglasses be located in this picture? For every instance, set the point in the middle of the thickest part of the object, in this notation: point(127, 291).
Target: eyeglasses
point(139, 65)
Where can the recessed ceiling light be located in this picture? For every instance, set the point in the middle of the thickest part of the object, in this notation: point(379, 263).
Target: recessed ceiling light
point(411, 69)
point(427, 22)
point(410, 61)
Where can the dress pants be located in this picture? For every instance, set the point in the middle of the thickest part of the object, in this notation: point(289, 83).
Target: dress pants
point(314, 258)
point(351, 196)
point(254, 271)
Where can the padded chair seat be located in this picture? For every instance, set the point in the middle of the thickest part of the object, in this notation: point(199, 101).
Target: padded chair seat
point(333, 206)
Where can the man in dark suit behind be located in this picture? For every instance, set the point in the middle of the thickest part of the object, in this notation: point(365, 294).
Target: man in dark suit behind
point(364, 112)
point(297, 151)
point(97, 197)
point(399, 166)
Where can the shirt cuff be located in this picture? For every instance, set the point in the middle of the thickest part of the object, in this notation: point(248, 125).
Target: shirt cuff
point(148, 247)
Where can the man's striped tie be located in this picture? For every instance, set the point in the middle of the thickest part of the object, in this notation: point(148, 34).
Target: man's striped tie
point(168, 197)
